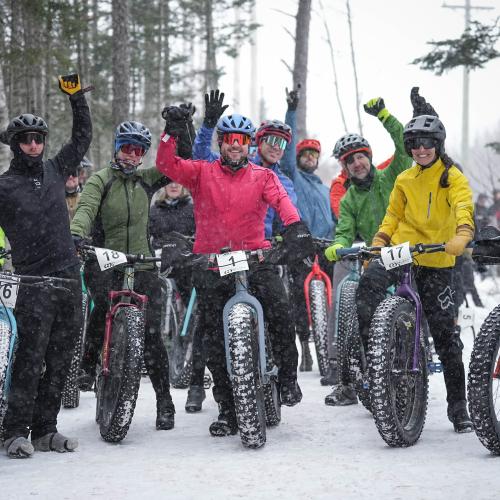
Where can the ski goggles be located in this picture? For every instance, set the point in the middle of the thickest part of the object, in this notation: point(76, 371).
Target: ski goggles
point(275, 140)
point(128, 149)
point(416, 142)
point(28, 137)
point(241, 139)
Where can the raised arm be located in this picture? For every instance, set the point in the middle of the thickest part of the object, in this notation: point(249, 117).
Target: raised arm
point(288, 163)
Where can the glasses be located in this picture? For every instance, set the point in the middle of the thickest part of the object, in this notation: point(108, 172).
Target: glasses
point(28, 137)
point(311, 152)
point(128, 149)
point(276, 140)
point(416, 142)
point(241, 139)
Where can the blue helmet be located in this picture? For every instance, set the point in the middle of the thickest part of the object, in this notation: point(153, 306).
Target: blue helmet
point(132, 133)
point(235, 124)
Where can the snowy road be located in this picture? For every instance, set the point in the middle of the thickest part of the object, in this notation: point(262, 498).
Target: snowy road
point(317, 452)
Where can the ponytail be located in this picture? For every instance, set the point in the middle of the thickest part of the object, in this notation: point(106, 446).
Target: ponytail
point(448, 163)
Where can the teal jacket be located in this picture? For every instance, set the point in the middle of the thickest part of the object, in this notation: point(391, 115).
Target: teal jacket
point(362, 210)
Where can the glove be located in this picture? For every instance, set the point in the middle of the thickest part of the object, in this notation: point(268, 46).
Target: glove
point(70, 84)
point(420, 105)
point(376, 107)
point(293, 98)
point(213, 108)
point(176, 120)
point(380, 240)
point(298, 241)
point(185, 141)
point(78, 241)
point(175, 250)
point(331, 252)
point(456, 246)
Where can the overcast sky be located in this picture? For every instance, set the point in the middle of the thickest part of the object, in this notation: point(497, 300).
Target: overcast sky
point(388, 35)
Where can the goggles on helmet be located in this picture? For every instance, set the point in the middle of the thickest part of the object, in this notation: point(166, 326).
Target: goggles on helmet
point(128, 149)
point(241, 139)
point(275, 140)
point(28, 137)
point(416, 142)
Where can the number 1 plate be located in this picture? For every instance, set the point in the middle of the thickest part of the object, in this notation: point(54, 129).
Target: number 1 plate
point(109, 258)
point(396, 256)
point(232, 262)
point(9, 286)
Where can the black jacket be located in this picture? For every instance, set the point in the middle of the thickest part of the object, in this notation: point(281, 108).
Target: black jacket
point(166, 217)
point(33, 210)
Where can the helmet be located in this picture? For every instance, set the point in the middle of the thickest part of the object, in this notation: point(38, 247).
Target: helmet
point(349, 144)
point(273, 127)
point(308, 144)
point(132, 133)
point(424, 126)
point(26, 123)
point(235, 124)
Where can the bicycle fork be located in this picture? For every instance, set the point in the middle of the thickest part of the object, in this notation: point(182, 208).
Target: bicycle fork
point(317, 274)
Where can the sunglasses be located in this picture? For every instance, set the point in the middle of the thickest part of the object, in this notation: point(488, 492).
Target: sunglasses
point(275, 140)
point(311, 152)
point(241, 139)
point(416, 142)
point(128, 149)
point(28, 137)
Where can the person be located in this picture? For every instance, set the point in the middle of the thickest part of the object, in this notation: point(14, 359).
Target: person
point(114, 211)
point(430, 203)
point(482, 212)
point(173, 211)
point(231, 196)
point(363, 206)
point(34, 217)
point(494, 210)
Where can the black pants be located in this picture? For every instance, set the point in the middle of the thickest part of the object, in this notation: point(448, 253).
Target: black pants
point(48, 323)
point(436, 290)
point(213, 292)
point(155, 353)
point(299, 272)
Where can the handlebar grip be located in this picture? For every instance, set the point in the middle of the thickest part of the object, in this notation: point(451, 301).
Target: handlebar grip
point(342, 252)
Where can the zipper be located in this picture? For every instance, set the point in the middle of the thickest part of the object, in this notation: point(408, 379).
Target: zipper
point(128, 212)
point(429, 206)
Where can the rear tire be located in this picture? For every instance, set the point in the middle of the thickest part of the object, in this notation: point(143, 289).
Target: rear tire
point(319, 318)
point(247, 388)
point(483, 387)
point(117, 392)
point(272, 398)
point(5, 340)
point(398, 396)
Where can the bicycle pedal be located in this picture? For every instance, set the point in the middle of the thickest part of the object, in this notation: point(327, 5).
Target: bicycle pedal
point(207, 382)
point(435, 367)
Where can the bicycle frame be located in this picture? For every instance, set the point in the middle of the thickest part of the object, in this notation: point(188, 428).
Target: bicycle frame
point(317, 274)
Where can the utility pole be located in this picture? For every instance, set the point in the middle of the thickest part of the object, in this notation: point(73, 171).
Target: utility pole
point(465, 85)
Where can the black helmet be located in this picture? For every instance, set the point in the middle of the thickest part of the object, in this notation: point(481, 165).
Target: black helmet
point(424, 126)
point(351, 143)
point(26, 123)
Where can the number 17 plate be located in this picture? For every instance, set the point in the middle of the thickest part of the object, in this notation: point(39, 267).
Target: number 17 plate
point(396, 256)
point(232, 262)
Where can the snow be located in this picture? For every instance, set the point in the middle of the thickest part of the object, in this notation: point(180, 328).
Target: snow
point(316, 452)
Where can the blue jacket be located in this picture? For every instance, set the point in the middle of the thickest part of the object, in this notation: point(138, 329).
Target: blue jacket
point(202, 151)
point(312, 195)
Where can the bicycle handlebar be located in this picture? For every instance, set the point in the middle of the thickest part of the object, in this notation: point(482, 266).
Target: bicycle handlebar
point(38, 280)
point(131, 258)
point(364, 253)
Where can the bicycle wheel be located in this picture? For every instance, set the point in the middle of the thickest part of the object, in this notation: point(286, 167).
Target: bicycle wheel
point(272, 399)
point(5, 340)
point(117, 392)
point(484, 384)
point(319, 317)
point(71, 393)
point(398, 395)
point(247, 389)
point(346, 315)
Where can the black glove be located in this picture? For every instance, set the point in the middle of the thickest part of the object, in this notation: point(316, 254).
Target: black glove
point(175, 250)
point(293, 98)
point(185, 142)
point(178, 118)
point(213, 108)
point(420, 105)
point(298, 241)
point(78, 241)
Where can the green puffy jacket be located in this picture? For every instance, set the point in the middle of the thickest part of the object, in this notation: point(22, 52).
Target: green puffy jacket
point(121, 203)
point(362, 210)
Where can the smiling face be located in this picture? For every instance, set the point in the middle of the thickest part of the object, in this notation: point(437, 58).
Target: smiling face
point(132, 158)
point(234, 152)
point(424, 156)
point(270, 154)
point(358, 165)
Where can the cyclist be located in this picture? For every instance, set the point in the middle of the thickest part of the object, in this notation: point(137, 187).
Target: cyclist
point(173, 211)
point(431, 202)
point(34, 217)
point(231, 196)
point(116, 199)
point(363, 206)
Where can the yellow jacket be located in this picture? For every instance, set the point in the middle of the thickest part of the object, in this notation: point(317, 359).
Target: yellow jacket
point(421, 211)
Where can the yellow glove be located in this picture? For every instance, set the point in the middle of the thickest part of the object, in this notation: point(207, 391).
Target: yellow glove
point(456, 246)
point(331, 252)
point(376, 107)
point(70, 84)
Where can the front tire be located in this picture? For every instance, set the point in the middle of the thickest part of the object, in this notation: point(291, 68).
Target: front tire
point(5, 340)
point(319, 318)
point(484, 385)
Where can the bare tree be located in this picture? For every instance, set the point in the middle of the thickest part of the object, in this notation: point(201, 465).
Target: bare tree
point(360, 126)
point(4, 118)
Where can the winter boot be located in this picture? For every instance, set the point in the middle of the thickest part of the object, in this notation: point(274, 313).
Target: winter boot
point(330, 376)
point(18, 447)
point(226, 423)
point(85, 379)
point(342, 395)
point(306, 361)
point(53, 441)
point(458, 416)
point(165, 411)
point(290, 392)
point(195, 398)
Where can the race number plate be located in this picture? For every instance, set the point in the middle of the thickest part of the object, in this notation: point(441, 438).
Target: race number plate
point(232, 262)
point(109, 258)
point(9, 286)
point(396, 256)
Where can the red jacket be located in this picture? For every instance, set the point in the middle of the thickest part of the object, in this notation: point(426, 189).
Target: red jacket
point(229, 207)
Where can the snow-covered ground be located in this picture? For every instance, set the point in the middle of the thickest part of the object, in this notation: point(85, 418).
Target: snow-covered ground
point(316, 452)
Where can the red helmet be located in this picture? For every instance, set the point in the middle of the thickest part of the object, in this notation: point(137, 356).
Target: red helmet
point(308, 144)
point(273, 127)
